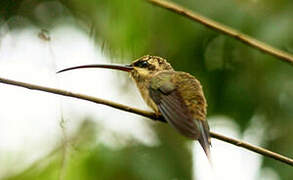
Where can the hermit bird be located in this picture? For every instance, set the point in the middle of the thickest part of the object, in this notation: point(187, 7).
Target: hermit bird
point(177, 96)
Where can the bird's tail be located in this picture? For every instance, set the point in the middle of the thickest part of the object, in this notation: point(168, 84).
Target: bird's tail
point(204, 138)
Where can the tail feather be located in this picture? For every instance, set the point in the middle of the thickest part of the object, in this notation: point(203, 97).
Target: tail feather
point(204, 138)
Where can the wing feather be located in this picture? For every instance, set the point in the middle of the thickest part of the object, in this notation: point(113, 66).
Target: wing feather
point(179, 108)
point(176, 113)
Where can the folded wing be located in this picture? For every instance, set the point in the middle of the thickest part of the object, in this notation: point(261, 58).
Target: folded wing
point(172, 103)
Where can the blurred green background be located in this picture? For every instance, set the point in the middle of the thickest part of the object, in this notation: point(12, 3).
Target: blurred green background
point(239, 81)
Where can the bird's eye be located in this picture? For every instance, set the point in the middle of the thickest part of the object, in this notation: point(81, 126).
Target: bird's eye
point(141, 64)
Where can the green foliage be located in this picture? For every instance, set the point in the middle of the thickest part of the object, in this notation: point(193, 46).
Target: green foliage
point(88, 160)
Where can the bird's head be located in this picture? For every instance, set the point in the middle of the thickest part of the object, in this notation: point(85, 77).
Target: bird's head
point(146, 66)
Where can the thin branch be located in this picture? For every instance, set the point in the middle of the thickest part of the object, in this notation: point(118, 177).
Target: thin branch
point(64, 149)
point(253, 148)
point(282, 55)
point(148, 114)
point(82, 96)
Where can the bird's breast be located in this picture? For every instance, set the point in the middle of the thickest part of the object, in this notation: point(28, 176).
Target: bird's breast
point(144, 91)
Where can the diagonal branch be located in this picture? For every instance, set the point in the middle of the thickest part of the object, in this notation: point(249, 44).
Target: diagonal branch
point(148, 114)
point(282, 55)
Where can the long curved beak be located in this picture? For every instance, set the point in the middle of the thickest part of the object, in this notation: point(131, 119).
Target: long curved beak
point(126, 68)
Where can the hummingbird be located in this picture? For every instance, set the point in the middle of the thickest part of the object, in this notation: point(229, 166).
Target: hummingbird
point(177, 96)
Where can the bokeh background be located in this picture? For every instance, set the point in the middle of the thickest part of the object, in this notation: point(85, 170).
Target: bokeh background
point(44, 136)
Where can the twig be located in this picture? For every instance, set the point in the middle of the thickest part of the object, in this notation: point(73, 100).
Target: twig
point(253, 148)
point(84, 97)
point(148, 114)
point(282, 55)
point(64, 149)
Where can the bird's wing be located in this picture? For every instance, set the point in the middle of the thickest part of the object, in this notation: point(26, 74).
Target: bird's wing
point(172, 106)
point(180, 100)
